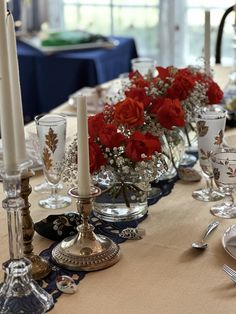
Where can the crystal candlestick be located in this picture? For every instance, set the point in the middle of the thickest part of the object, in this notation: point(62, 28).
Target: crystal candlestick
point(87, 250)
point(19, 293)
point(40, 267)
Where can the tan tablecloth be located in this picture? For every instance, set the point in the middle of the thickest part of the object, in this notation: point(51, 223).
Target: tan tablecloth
point(160, 274)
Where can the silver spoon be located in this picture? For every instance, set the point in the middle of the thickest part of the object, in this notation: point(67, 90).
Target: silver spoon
point(202, 244)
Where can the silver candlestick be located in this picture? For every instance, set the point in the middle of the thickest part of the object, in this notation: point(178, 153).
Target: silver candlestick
point(87, 250)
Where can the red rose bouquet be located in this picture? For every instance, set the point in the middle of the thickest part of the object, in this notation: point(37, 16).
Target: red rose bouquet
point(190, 86)
point(172, 98)
point(121, 150)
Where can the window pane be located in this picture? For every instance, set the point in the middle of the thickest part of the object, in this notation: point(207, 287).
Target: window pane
point(195, 35)
point(136, 2)
point(93, 2)
point(140, 24)
point(85, 17)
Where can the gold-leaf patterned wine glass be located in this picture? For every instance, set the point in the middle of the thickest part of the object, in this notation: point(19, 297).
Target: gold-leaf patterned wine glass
point(51, 130)
point(224, 170)
point(210, 131)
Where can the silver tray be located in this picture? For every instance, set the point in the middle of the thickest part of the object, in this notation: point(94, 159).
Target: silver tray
point(35, 42)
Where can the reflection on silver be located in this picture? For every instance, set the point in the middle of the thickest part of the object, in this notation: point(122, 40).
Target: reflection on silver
point(66, 284)
point(132, 233)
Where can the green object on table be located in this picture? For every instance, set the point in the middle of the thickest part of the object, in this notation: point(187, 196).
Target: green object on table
point(71, 38)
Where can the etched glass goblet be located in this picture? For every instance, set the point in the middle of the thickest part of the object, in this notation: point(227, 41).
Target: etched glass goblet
point(224, 170)
point(210, 131)
point(51, 130)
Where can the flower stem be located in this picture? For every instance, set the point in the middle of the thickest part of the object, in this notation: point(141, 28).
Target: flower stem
point(171, 154)
point(124, 192)
point(187, 136)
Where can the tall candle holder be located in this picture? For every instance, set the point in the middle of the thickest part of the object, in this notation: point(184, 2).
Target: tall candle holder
point(19, 293)
point(40, 267)
point(86, 251)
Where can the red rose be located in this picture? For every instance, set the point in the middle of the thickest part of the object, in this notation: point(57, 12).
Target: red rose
point(214, 93)
point(139, 144)
point(156, 104)
point(138, 80)
point(96, 157)
point(163, 73)
point(109, 137)
point(170, 113)
point(129, 112)
point(182, 86)
point(95, 123)
point(139, 94)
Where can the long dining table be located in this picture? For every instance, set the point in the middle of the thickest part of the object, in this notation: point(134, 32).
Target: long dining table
point(159, 274)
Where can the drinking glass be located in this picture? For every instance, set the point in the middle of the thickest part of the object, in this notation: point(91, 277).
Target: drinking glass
point(51, 130)
point(210, 131)
point(145, 66)
point(224, 170)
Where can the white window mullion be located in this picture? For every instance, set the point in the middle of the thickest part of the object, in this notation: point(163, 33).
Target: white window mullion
point(56, 14)
point(180, 33)
point(171, 32)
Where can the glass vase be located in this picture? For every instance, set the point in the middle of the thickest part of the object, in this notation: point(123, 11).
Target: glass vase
point(123, 197)
point(173, 148)
point(191, 148)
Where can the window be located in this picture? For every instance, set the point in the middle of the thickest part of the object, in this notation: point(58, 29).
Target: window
point(195, 31)
point(138, 19)
point(170, 31)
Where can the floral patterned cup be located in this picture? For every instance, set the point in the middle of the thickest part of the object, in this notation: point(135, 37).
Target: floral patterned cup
point(224, 170)
point(51, 130)
point(210, 131)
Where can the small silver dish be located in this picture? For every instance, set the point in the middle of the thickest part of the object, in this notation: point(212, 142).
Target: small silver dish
point(66, 284)
point(132, 233)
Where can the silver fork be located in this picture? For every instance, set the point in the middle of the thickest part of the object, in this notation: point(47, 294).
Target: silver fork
point(229, 271)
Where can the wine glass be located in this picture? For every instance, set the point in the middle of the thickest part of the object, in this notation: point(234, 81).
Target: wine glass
point(224, 170)
point(51, 130)
point(210, 131)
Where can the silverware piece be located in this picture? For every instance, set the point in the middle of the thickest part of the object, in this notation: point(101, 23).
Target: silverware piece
point(202, 244)
point(230, 272)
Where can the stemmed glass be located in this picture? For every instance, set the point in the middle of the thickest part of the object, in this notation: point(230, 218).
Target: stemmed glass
point(224, 170)
point(210, 131)
point(51, 130)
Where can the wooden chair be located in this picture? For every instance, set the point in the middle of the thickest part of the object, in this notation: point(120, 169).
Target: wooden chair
point(220, 35)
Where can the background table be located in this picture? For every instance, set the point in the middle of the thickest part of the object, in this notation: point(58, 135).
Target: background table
point(48, 80)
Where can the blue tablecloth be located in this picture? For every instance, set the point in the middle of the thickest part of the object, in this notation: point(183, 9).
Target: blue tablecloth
point(47, 80)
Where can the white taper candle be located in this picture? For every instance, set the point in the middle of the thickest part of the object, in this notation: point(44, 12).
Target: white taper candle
point(16, 93)
point(207, 43)
point(6, 108)
point(83, 147)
